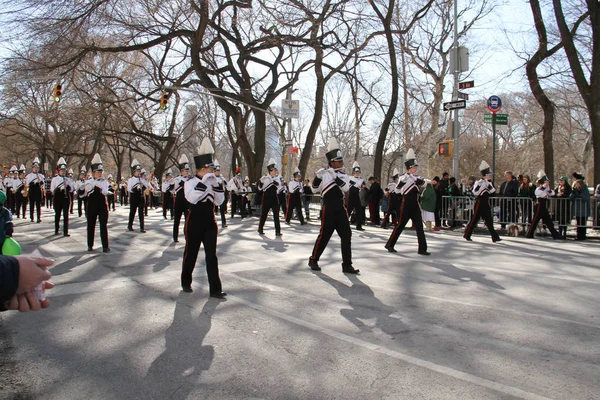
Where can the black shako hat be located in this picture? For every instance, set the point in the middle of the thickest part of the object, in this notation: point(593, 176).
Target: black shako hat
point(205, 155)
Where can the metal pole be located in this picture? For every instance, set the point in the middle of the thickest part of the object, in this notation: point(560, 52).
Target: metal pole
point(493, 147)
point(455, 127)
point(289, 138)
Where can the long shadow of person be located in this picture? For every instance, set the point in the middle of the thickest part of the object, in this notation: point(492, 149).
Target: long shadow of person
point(463, 276)
point(175, 373)
point(365, 307)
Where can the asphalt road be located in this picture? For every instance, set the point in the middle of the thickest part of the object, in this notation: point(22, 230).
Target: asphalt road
point(515, 320)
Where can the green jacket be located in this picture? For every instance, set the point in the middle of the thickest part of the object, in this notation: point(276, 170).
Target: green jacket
point(428, 200)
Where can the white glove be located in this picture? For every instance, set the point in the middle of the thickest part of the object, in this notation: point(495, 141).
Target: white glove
point(319, 174)
point(209, 178)
point(265, 179)
point(332, 173)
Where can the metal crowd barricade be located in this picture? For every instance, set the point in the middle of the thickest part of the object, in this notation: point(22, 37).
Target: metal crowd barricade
point(458, 210)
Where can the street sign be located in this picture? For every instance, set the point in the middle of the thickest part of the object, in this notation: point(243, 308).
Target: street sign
point(463, 96)
point(290, 108)
point(494, 104)
point(454, 105)
point(501, 119)
point(466, 85)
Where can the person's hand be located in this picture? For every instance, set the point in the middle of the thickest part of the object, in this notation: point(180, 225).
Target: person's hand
point(28, 302)
point(332, 173)
point(319, 174)
point(209, 178)
point(32, 272)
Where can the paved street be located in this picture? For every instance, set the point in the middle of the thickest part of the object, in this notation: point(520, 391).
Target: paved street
point(515, 320)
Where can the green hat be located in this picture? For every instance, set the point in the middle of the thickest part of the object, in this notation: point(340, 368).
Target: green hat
point(564, 178)
point(2, 197)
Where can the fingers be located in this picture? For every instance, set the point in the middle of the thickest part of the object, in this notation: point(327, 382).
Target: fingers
point(23, 304)
point(43, 261)
point(13, 304)
point(34, 304)
point(48, 285)
point(45, 303)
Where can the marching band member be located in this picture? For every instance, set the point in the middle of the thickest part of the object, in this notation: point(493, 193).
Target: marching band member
point(112, 192)
point(35, 182)
point(408, 187)
point(96, 191)
point(80, 191)
point(20, 190)
point(235, 186)
point(332, 183)
point(222, 209)
point(168, 186)
point(61, 187)
point(483, 189)
point(269, 185)
point(136, 186)
point(542, 193)
point(356, 183)
point(203, 191)
point(8, 184)
point(181, 206)
point(294, 200)
point(394, 201)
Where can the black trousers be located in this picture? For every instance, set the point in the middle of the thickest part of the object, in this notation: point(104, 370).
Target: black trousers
point(21, 203)
point(354, 205)
point(294, 203)
point(111, 201)
point(136, 204)
point(61, 205)
point(201, 228)
point(393, 211)
point(282, 202)
point(49, 202)
point(35, 200)
point(482, 210)
point(97, 212)
point(179, 211)
point(10, 204)
point(334, 217)
point(269, 205)
point(167, 205)
point(409, 210)
point(541, 213)
point(222, 209)
point(80, 201)
point(237, 203)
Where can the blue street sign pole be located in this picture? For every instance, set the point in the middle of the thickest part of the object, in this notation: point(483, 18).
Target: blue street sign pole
point(494, 104)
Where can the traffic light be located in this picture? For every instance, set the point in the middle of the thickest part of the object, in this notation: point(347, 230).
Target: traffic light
point(164, 101)
point(57, 96)
point(445, 148)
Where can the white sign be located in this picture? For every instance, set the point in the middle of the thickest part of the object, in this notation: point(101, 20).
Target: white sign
point(290, 108)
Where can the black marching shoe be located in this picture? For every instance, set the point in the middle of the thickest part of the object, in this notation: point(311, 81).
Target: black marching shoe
point(56, 232)
point(278, 234)
point(260, 232)
point(468, 239)
point(67, 235)
point(424, 253)
point(90, 249)
point(106, 250)
point(313, 265)
point(360, 228)
point(187, 289)
point(220, 295)
point(496, 240)
point(175, 240)
point(391, 249)
point(142, 231)
point(350, 270)
point(130, 229)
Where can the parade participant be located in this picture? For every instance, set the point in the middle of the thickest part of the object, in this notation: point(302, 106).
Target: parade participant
point(20, 190)
point(147, 193)
point(72, 194)
point(181, 204)
point(294, 200)
point(8, 184)
point(168, 186)
point(123, 193)
point(222, 209)
point(282, 192)
point(35, 182)
point(483, 189)
point(542, 193)
point(245, 195)
point(112, 192)
point(48, 191)
point(354, 205)
point(96, 191)
point(6, 221)
point(202, 192)
point(61, 187)
point(80, 192)
point(307, 197)
point(332, 183)
point(235, 186)
point(269, 185)
point(409, 187)
point(136, 186)
point(394, 201)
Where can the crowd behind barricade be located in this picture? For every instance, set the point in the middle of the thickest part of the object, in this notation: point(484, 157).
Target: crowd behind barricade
point(201, 195)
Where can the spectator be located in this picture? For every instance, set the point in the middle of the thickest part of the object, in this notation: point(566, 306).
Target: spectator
point(508, 191)
point(563, 205)
point(526, 194)
point(6, 221)
point(435, 182)
point(428, 200)
point(364, 202)
point(19, 277)
point(454, 203)
point(597, 210)
point(442, 190)
point(375, 197)
point(307, 198)
point(580, 198)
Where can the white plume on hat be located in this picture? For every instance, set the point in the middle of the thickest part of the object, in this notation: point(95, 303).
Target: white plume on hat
point(272, 162)
point(216, 162)
point(61, 161)
point(98, 160)
point(22, 167)
point(36, 161)
point(170, 171)
point(355, 164)
point(134, 162)
point(205, 147)
point(70, 171)
point(13, 168)
point(332, 144)
point(183, 159)
point(143, 171)
point(396, 172)
point(410, 155)
point(483, 166)
point(541, 174)
point(109, 176)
